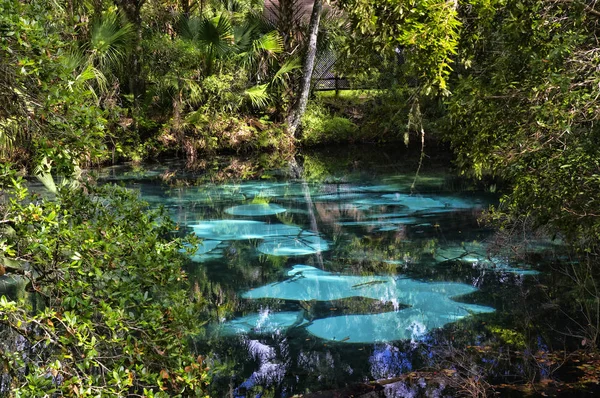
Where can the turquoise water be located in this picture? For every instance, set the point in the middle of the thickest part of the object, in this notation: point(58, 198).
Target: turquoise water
point(337, 274)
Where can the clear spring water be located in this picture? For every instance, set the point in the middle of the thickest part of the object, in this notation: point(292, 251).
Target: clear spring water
point(344, 273)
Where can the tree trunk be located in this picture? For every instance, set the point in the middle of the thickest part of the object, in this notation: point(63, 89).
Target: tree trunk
point(186, 7)
point(297, 172)
point(132, 10)
point(98, 7)
point(299, 108)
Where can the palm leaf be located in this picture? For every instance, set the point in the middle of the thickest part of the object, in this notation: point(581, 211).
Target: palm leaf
point(261, 21)
point(194, 91)
point(247, 60)
point(9, 130)
point(84, 76)
point(233, 6)
point(109, 40)
point(72, 60)
point(288, 66)
point(271, 42)
point(216, 35)
point(243, 35)
point(42, 173)
point(197, 119)
point(258, 95)
point(101, 80)
point(188, 28)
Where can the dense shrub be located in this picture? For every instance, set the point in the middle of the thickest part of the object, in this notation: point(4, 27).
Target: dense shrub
point(110, 312)
point(319, 127)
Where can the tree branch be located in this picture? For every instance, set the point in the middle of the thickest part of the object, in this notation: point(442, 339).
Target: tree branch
point(587, 8)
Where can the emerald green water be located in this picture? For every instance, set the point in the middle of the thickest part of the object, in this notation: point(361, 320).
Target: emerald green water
point(336, 268)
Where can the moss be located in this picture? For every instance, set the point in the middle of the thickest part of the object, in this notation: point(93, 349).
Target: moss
point(320, 127)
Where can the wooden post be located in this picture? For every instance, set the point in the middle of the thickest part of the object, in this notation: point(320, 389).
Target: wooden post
point(337, 88)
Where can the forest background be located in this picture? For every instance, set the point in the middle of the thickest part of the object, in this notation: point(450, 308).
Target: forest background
point(512, 86)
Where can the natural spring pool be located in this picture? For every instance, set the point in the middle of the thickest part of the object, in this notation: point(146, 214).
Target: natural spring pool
point(353, 269)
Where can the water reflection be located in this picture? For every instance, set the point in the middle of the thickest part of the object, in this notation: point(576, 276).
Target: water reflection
point(388, 361)
point(264, 322)
point(255, 209)
point(430, 304)
point(316, 282)
point(271, 370)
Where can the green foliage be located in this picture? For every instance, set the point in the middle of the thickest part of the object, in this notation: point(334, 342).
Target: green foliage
point(258, 95)
point(110, 39)
point(508, 336)
point(320, 127)
point(113, 312)
point(213, 35)
point(384, 116)
point(174, 69)
point(197, 75)
point(526, 112)
point(47, 106)
point(425, 32)
point(71, 93)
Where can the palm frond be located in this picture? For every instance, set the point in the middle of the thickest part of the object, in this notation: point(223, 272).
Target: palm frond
point(271, 42)
point(197, 119)
point(243, 35)
point(90, 73)
point(72, 60)
point(9, 130)
point(42, 173)
point(253, 45)
point(188, 28)
point(258, 95)
point(233, 6)
point(194, 91)
point(101, 80)
point(84, 76)
point(246, 60)
point(109, 40)
point(288, 66)
point(288, 18)
point(261, 20)
point(289, 13)
point(216, 35)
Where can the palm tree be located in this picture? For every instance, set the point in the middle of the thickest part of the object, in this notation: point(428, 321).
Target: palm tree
point(132, 10)
point(110, 40)
point(213, 35)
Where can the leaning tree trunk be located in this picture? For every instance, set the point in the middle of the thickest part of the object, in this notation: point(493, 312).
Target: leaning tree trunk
point(309, 62)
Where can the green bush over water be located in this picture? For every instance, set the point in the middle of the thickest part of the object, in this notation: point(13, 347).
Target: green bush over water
point(110, 311)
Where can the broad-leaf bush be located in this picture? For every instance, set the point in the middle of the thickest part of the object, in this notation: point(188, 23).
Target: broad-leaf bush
point(110, 311)
point(527, 113)
point(48, 107)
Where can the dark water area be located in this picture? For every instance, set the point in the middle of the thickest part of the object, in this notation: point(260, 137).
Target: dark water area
point(346, 265)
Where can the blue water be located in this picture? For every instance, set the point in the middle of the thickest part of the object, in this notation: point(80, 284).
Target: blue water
point(319, 280)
